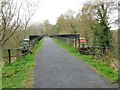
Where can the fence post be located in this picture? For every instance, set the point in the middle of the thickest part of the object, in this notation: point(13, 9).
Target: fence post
point(9, 56)
point(77, 40)
point(74, 42)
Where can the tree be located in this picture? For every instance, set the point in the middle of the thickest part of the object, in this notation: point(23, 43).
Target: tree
point(10, 14)
point(48, 27)
point(30, 8)
point(36, 28)
point(11, 18)
point(103, 36)
point(66, 23)
point(85, 19)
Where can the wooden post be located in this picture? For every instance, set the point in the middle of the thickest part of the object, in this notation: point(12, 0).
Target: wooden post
point(78, 40)
point(74, 42)
point(9, 56)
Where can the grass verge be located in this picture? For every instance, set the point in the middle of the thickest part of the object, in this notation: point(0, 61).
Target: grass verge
point(98, 65)
point(19, 74)
point(0, 77)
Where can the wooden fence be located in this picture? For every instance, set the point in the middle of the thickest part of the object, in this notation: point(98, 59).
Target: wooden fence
point(12, 54)
point(34, 39)
point(97, 52)
point(72, 39)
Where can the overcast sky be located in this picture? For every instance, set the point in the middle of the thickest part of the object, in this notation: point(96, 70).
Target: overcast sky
point(52, 9)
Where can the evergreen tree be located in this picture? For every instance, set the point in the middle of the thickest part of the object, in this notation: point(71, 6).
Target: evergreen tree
point(102, 33)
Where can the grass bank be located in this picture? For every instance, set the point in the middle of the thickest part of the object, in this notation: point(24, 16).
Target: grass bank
point(19, 74)
point(0, 77)
point(98, 65)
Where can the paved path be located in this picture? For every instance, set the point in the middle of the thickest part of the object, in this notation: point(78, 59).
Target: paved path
point(55, 68)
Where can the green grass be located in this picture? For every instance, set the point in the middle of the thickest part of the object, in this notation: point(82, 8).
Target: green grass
point(19, 74)
point(98, 65)
point(0, 77)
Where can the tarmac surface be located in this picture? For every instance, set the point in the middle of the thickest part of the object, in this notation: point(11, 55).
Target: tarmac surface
point(56, 68)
